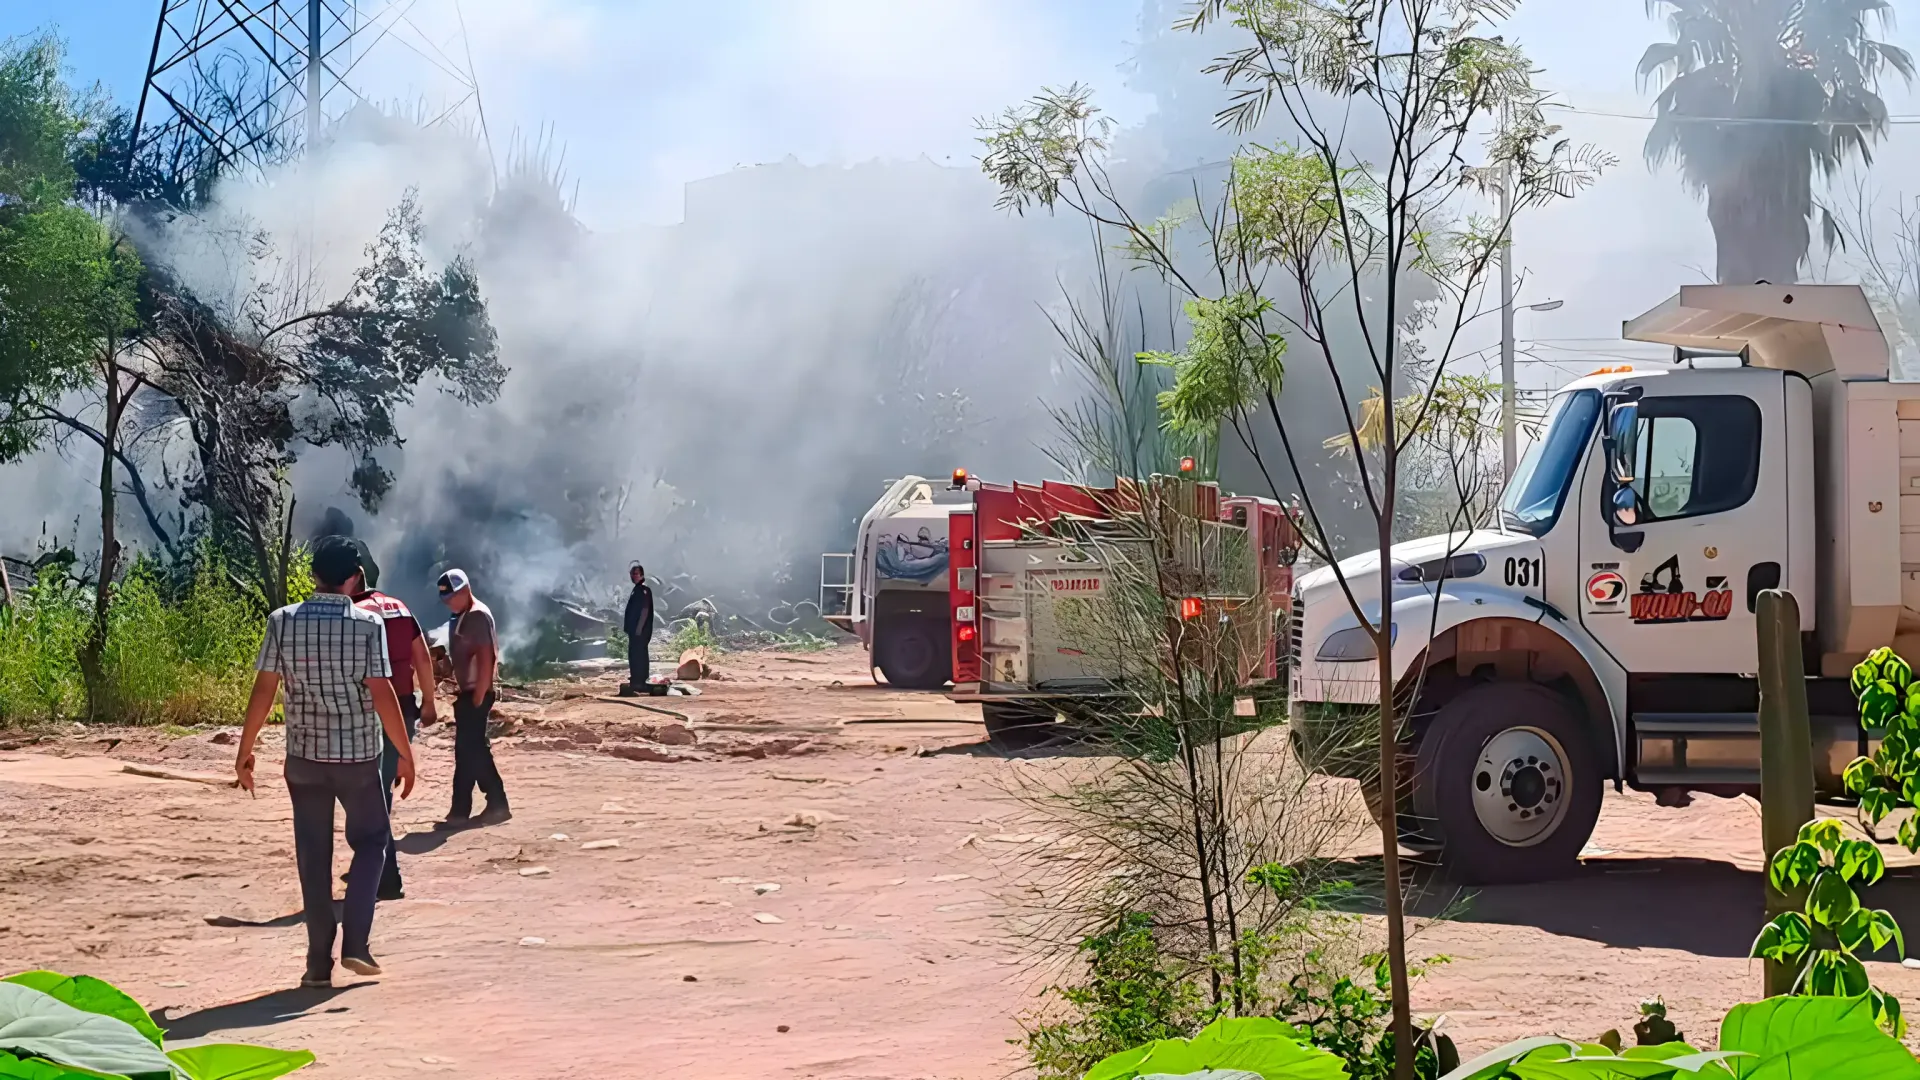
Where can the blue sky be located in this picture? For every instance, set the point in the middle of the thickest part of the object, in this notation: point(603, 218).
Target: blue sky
point(645, 95)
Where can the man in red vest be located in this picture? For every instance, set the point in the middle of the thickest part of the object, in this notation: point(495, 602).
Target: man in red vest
point(412, 665)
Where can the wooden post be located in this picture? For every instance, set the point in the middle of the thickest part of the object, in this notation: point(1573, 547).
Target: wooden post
point(1786, 750)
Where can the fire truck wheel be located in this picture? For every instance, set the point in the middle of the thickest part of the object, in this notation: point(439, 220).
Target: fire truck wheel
point(1017, 725)
point(913, 657)
point(1513, 781)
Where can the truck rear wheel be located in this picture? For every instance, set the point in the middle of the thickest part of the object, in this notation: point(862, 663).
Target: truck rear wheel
point(1513, 782)
point(913, 655)
point(1018, 725)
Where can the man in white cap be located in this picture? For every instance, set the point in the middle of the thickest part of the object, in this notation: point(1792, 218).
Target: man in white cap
point(474, 647)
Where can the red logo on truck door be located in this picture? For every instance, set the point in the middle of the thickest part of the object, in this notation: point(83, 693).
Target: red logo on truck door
point(1606, 587)
point(1076, 584)
point(1664, 597)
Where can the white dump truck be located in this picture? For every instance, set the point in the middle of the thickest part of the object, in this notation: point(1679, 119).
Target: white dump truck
point(1602, 629)
point(891, 591)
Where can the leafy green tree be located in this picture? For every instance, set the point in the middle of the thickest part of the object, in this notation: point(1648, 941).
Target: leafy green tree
point(1314, 239)
point(1754, 97)
point(280, 371)
point(46, 248)
point(67, 298)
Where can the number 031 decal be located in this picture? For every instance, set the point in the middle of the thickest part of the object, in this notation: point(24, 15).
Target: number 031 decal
point(1524, 573)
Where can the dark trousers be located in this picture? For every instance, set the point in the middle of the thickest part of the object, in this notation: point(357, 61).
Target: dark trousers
point(315, 786)
point(473, 755)
point(389, 768)
point(638, 662)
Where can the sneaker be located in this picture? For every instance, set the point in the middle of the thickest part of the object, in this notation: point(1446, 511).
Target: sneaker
point(390, 892)
point(361, 965)
point(495, 814)
point(453, 822)
point(317, 978)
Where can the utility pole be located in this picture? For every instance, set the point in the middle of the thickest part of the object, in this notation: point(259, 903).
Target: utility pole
point(1508, 423)
point(314, 54)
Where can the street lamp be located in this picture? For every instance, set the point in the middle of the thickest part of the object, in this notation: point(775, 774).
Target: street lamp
point(1508, 423)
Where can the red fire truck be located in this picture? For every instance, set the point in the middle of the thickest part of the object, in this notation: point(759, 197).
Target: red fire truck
point(1011, 653)
point(962, 584)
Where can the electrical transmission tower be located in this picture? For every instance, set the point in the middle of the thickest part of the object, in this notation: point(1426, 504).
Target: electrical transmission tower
point(245, 83)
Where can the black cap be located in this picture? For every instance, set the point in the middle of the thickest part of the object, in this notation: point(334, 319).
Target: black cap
point(368, 566)
point(335, 559)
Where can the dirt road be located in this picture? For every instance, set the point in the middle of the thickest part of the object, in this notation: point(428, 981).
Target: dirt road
point(808, 889)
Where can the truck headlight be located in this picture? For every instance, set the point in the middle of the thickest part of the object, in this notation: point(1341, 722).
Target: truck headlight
point(1352, 645)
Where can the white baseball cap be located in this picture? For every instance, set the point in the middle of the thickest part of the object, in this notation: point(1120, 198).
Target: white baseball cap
point(454, 581)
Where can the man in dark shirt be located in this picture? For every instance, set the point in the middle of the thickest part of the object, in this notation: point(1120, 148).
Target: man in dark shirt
point(638, 626)
point(407, 655)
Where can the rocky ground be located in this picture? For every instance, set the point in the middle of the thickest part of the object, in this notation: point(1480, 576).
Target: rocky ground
point(799, 875)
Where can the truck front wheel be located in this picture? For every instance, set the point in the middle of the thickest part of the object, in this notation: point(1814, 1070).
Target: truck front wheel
point(1513, 782)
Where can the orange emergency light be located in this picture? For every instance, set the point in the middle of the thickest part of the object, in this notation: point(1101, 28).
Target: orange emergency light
point(959, 478)
point(1190, 607)
point(1186, 465)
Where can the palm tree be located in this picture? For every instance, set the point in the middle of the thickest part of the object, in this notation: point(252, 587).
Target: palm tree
point(1757, 94)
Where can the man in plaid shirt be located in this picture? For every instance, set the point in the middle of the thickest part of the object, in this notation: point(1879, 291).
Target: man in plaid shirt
point(331, 658)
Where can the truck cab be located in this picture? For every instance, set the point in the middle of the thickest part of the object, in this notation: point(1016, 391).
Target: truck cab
point(1602, 628)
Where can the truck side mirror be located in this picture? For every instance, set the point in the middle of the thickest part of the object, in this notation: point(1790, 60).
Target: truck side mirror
point(1621, 437)
point(1626, 507)
point(1620, 442)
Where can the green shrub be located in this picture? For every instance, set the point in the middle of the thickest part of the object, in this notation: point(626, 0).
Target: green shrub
point(40, 639)
point(1132, 995)
point(1349, 1016)
point(180, 648)
point(181, 659)
point(694, 633)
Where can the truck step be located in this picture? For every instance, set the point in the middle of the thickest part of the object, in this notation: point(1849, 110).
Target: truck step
point(1696, 748)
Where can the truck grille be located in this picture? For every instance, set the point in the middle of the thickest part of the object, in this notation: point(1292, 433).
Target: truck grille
point(1294, 631)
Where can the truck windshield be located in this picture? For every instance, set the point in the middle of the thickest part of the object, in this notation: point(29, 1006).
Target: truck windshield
point(1539, 486)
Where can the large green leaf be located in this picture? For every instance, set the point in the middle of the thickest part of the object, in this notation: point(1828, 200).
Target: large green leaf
point(1832, 973)
point(1793, 866)
point(37, 1023)
point(1860, 861)
point(238, 1061)
point(1810, 1038)
point(1896, 672)
point(1877, 803)
point(1878, 704)
point(88, 994)
point(1831, 901)
point(1867, 671)
point(1259, 1047)
point(1670, 1061)
point(1823, 833)
point(1783, 939)
point(1494, 1062)
point(18, 1068)
point(1861, 773)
